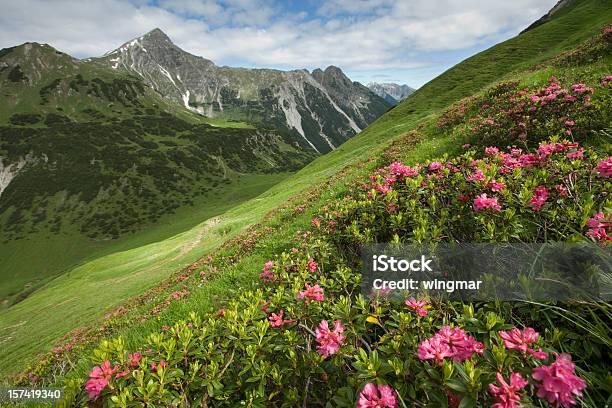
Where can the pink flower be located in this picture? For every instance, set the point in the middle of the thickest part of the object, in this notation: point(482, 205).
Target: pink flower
point(516, 339)
point(134, 359)
point(561, 190)
point(417, 305)
point(547, 149)
point(329, 341)
point(559, 384)
point(377, 396)
point(434, 348)
point(311, 293)
point(604, 168)
point(539, 197)
point(95, 386)
point(99, 378)
point(599, 234)
point(540, 355)
point(448, 342)
point(596, 221)
point(312, 265)
point(434, 166)
point(598, 225)
point(478, 175)
point(496, 186)
point(467, 146)
point(276, 320)
point(462, 345)
point(266, 275)
point(165, 328)
point(507, 394)
point(482, 202)
point(528, 160)
point(581, 88)
point(569, 123)
point(122, 374)
point(576, 155)
point(491, 151)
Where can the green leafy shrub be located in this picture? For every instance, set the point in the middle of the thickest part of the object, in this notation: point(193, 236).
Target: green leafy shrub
point(305, 336)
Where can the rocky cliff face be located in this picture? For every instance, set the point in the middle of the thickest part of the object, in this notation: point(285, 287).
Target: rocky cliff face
point(321, 110)
point(390, 92)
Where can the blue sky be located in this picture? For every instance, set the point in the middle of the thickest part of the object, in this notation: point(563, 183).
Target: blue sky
point(404, 41)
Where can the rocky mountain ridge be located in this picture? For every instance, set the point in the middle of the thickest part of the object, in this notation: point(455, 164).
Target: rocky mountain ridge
point(323, 108)
point(391, 92)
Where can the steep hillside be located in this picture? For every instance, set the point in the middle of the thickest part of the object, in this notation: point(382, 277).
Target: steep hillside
point(322, 109)
point(322, 209)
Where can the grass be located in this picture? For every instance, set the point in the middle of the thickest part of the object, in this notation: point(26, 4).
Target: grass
point(51, 255)
point(85, 293)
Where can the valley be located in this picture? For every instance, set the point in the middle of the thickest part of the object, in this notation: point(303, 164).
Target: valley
point(102, 155)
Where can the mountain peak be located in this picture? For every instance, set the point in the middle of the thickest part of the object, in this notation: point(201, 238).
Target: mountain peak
point(332, 69)
point(156, 34)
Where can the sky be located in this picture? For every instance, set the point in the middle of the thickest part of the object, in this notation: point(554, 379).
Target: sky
point(403, 41)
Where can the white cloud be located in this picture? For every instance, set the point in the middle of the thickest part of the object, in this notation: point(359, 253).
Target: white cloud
point(359, 35)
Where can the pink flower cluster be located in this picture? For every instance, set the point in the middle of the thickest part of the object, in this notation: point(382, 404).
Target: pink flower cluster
point(99, 378)
point(517, 339)
point(559, 385)
point(386, 177)
point(507, 394)
point(134, 359)
point(604, 168)
point(377, 396)
point(539, 198)
point(329, 341)
point(402, 170)
point(482, 202)
point(266, 275)
point(453, 343)
point(419, 306)
point(477, 175)
point(312, 265)
point(276, 320)
point(311, 293)
point(599, 224)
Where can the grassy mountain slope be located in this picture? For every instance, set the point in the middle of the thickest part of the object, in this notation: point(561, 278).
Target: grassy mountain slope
point(239, 264)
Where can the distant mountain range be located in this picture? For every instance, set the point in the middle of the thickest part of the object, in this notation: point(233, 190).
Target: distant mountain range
point(323, 108)
point(392, 93)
